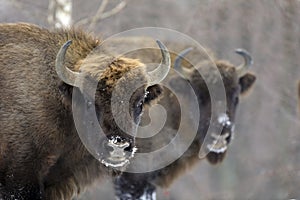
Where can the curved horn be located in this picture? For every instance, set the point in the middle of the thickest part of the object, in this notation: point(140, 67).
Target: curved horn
point(243, 68)
point(177, 64)
point(180, 56)
point(158, 74)
point(64, 73)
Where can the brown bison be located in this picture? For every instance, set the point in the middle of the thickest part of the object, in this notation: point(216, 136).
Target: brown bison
point(237, 81)
point(41, 154)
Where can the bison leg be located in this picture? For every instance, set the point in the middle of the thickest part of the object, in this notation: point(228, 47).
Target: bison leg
point(24, 192)
point(61, 183)
point(68, 178)
point(64, 190)
point(134, 186)
point(20, 180)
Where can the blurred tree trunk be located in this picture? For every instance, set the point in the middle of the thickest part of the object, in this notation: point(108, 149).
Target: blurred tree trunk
point(245, 14)
point(60, 13)
point(289, 55)
point(221, 21)
point(290, 40)
point(290, 37)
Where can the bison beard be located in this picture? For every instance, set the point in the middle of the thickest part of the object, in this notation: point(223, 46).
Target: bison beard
point(41, 154)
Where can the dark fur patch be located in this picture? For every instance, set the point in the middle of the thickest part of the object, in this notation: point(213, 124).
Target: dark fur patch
point(246, 82)
point(154, 93)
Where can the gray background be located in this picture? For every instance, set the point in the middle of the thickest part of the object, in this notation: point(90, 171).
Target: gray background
point(264, 159)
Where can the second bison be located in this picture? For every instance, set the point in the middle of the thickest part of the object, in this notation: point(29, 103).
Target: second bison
point(237, 82)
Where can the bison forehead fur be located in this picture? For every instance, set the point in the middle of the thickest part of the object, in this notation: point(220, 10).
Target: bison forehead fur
point(41, 155)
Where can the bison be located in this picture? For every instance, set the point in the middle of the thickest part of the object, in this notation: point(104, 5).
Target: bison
point(237, 82)
point(41, 154)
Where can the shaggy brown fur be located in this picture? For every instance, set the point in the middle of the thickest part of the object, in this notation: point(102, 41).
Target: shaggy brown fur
point(235, 88)
point(41, 155)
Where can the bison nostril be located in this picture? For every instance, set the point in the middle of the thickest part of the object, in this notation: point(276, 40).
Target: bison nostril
point(129, 148)
point(119, 140)
point(117, 146)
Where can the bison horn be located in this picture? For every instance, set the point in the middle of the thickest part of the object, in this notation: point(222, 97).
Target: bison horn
point(158, 74)
point(243, 68)
point(63, 72)
point(178, 60)
point(180, 56)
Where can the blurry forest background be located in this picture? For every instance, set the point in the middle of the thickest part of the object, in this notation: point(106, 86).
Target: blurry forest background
point(264, 160)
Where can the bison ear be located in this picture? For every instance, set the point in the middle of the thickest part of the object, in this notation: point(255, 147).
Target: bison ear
point(246, 82)
point(154, 94)
point(66, 94)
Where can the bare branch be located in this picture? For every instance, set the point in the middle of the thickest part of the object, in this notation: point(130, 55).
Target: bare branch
point(101, 8)
point(51, 12)
point(115, 10)
point(100, 14)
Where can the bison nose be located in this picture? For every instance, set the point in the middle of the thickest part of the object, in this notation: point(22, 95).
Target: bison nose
point(228, 126)
point(118, 149)
point(228, 130)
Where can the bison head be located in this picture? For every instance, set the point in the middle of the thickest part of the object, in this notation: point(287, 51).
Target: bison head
point(113, 77)
point(237, 81)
